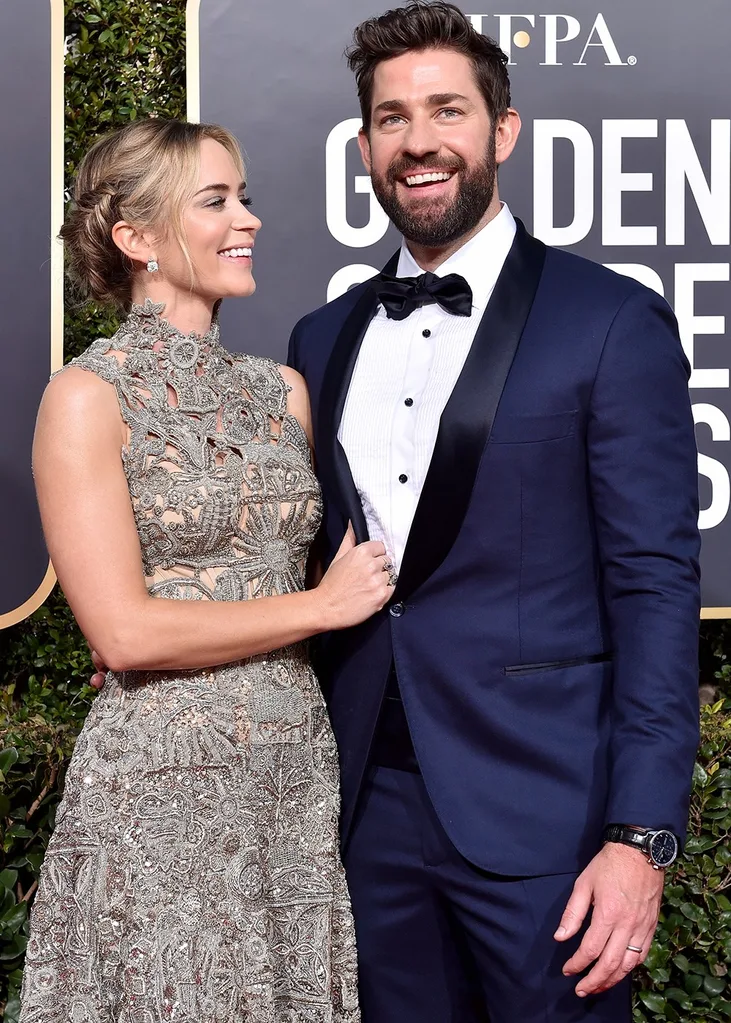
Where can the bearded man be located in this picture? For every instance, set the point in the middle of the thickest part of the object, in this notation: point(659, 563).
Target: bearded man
point(517, 727)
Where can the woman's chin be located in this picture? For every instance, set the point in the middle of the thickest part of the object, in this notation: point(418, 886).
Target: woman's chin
point(242, 289)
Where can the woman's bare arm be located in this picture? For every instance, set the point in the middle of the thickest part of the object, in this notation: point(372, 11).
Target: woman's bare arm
point(91, 535)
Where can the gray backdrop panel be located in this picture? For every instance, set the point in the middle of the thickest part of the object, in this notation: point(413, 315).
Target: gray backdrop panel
point(25, 299)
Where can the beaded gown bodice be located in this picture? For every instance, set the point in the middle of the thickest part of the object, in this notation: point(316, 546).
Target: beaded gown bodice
point(225, 500)
point(194, 872)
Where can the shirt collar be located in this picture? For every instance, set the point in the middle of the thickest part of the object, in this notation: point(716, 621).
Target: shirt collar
point(479, 260)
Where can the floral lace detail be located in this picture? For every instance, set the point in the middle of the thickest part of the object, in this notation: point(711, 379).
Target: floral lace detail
point(211, 446)
point(194, 873)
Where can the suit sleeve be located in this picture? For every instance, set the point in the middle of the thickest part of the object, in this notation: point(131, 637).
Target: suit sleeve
point(644, 486)
point(293, 349)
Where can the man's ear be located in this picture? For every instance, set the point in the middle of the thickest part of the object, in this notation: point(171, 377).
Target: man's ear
point(135, 244)
point(506, 135)
point(365, 149)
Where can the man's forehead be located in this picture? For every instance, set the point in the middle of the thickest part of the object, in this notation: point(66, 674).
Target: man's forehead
point(423, 73)
point(450, 71)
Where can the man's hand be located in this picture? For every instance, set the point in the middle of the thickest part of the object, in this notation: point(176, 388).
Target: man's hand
point(97, 679)
point(625, 891)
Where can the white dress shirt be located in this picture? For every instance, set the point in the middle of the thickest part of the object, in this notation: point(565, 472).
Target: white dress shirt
point(403, 377)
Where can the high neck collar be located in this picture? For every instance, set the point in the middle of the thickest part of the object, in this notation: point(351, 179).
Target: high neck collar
point(146, 325)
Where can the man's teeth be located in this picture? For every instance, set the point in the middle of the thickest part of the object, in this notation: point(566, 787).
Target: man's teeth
point(421, 179)
point(236, 252)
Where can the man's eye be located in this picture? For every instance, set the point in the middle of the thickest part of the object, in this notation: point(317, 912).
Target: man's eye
point(392, 119)
point(450, 112)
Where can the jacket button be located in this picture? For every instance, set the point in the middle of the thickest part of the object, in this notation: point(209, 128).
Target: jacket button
point(396, 610)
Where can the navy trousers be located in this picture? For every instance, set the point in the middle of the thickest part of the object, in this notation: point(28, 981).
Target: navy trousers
point(441, 941)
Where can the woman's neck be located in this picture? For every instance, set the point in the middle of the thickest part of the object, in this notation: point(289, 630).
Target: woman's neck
point(187, 313)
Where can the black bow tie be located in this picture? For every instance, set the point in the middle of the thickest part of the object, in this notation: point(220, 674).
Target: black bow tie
point(399, 296)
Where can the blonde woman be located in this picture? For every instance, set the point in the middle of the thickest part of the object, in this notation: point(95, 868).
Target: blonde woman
point(194, 872)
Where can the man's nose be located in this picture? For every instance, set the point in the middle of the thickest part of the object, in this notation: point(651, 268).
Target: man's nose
point(421, 138)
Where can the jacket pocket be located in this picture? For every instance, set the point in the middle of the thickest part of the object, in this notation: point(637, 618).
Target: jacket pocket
point(509, 429)
point(538, 666)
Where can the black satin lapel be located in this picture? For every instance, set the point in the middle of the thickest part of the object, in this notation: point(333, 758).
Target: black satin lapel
point(468, 416)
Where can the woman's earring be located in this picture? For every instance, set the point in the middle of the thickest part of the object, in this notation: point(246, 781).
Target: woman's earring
point(152, 266)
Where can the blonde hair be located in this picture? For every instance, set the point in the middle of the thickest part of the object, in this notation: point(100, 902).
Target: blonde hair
point(144, 174)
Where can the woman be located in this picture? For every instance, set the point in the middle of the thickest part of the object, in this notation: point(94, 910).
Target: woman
point(194, 872)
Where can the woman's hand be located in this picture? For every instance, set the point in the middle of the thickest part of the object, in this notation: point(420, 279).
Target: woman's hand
point(357, 583)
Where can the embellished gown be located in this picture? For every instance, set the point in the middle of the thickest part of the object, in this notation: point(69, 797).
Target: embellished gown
point(194, 872)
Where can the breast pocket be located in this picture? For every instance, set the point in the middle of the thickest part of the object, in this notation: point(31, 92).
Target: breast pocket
point(510, 429)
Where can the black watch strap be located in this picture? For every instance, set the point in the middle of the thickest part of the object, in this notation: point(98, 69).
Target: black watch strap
point(627, 834)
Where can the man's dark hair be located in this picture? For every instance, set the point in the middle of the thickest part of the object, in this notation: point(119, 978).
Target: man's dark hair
point(424, 25)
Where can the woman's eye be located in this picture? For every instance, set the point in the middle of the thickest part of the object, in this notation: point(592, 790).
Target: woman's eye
point(245, 200)
point(215, 204)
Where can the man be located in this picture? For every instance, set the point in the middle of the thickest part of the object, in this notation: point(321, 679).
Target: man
point(517, 728)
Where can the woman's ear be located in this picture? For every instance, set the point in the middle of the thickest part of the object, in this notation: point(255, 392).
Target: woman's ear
point(135, 244)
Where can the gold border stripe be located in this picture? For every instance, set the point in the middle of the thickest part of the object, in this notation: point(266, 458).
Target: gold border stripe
point(32, 603)
point(716, 612)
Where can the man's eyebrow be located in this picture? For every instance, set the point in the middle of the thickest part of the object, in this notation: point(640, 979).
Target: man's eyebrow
point(437, 99)
point(389, 105)
point(440, 99)
point(221, 186)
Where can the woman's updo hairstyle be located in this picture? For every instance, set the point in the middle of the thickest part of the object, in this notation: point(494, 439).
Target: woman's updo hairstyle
point(144, 174)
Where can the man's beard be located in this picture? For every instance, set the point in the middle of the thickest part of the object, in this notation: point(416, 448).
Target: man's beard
point(434, 223)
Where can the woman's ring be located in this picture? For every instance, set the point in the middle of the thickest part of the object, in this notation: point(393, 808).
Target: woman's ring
point(388, 567)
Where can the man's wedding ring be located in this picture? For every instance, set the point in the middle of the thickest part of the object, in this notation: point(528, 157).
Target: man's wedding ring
point(633, 948)
point(388, 567)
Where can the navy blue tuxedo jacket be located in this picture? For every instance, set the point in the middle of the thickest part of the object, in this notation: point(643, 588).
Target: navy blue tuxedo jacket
point(544, 626)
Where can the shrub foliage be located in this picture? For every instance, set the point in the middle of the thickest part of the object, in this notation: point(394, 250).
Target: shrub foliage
point(125, 59)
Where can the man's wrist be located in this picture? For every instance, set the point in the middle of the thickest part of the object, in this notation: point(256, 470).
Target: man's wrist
point(659, 846)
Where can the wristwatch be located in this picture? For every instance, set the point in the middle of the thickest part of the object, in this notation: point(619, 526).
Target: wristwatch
point(660, 847)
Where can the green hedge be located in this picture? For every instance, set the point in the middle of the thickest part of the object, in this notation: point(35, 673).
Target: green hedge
point(126, 60)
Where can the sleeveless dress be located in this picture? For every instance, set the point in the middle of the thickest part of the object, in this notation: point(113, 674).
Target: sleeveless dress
point(194, 873)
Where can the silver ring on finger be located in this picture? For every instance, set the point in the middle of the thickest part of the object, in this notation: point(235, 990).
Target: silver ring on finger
point(392, 574)
point(634, 948)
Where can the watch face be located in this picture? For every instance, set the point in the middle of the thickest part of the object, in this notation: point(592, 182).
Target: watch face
point(663, 848)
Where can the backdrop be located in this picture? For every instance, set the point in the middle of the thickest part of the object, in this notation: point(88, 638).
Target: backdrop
point(625, 157)
point(31, 209)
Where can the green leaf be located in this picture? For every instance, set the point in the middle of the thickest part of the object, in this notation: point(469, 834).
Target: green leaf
point(694, 913)
point(12, 1008)
point(8, 879)
point(714, 985)
point(14, 919)
point(19, 831)
point(693, 983)
point(654, 1001)
point(679, 996)
point(12, 949)
point(8, 757)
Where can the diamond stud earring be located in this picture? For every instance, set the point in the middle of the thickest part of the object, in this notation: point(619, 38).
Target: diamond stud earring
point(152, 266)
